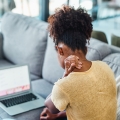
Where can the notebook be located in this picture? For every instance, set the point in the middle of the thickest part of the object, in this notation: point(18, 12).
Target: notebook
point(16, 95)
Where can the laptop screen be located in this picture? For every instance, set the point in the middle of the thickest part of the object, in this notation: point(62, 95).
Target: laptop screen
point(13, 80)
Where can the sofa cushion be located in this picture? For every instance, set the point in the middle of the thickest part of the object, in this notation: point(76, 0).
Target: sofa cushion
point(51, 67)
point(1, 46)
point(97, 50)
point(34, 77)
point(25, 41)
point(42, 87)
point(113, 60)
point(5, 63)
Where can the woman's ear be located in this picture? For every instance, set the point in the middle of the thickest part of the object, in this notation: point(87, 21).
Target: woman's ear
point(60, 51)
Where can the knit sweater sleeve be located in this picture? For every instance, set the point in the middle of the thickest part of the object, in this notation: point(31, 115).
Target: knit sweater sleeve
point(59, 98)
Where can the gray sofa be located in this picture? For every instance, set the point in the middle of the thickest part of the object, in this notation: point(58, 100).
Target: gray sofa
point(25, 40)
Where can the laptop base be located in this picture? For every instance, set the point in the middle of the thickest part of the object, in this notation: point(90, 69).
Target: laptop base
point(24, 107)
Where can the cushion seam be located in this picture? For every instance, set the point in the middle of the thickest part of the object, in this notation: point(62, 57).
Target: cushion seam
point(97, 51)
point(112, 62)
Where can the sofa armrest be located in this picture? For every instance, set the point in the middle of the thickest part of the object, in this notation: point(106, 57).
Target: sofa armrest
point(1, 45)
point(115, 49)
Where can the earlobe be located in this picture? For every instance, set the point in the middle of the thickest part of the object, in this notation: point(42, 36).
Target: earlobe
point(60, 50)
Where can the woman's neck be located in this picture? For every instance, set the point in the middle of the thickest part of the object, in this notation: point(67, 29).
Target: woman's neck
point(86, 64)
point(82, 58)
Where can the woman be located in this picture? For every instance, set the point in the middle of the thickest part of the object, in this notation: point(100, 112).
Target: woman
point(84, 93)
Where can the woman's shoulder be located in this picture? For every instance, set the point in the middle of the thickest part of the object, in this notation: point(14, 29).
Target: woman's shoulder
point(65, 82)
point(103, 67)
point(100, 64)
point(62, 81)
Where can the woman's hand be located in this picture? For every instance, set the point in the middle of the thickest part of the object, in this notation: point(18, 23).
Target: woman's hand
point(47, 115)
point(71, 63)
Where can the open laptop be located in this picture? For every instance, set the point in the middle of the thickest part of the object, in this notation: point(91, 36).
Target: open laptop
point(16, 95)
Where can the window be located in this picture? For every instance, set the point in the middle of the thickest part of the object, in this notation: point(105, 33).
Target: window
point(25, 7)
point(87, 4)
point(55, 4)
point(75, 3)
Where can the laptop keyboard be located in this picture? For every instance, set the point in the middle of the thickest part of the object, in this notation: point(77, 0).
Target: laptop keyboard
point(18, 100)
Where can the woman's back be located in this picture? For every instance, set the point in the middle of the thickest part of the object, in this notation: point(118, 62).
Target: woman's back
point(89, 95)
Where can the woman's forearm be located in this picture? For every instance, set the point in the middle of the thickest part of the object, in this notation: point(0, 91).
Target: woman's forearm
point(61, 114)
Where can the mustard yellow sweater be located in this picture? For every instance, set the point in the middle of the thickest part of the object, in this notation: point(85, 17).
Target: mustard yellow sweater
point(89, 95)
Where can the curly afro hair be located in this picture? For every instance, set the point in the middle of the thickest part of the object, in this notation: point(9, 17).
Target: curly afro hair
point(71, 27)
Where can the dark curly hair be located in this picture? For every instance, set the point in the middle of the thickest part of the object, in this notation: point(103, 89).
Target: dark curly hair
point(71, 27)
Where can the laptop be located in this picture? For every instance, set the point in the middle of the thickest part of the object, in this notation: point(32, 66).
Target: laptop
point(16, 95)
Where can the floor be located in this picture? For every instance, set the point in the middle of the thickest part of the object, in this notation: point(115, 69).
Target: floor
point(108, 26)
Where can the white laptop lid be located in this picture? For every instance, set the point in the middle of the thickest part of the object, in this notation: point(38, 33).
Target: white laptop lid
point(14, 80)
